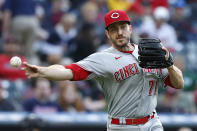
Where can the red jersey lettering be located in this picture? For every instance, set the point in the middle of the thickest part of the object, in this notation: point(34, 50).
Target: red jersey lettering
point(126, 72)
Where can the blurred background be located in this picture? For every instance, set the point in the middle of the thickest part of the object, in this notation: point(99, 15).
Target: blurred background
point(45, 32)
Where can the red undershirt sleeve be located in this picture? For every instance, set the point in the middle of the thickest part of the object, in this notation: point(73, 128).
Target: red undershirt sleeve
point(167, 82)
point(78, 72)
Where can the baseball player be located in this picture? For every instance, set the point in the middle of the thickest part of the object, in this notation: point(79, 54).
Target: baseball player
point(130, 90)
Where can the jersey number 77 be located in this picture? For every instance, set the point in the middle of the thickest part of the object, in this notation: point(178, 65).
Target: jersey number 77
point(152, 83)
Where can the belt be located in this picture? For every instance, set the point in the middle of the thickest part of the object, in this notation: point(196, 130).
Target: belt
point(135, 121)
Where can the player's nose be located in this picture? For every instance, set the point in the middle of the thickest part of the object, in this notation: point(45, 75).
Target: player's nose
point(119, 31)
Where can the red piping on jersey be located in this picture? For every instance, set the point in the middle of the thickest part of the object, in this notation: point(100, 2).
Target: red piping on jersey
point(130, 52)
point(78, 72)
point(167, 82)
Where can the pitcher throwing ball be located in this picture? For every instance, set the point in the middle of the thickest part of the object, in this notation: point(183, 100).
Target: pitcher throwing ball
point(129, 76)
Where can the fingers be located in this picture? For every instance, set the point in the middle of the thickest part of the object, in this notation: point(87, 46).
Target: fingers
point(23, 68)
point(27, 64)
point(31, 75)
point(27, 74)
point(31, 71)
point(167, 52)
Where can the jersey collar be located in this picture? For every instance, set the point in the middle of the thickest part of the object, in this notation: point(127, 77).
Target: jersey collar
point(129, 52)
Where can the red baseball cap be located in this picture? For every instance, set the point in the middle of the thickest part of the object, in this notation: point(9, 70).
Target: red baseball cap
point(116, 16)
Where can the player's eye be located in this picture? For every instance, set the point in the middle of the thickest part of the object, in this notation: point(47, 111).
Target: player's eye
point(123, 27)
point(113, 29)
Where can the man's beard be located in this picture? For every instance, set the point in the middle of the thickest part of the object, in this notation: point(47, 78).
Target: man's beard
point(122, 45)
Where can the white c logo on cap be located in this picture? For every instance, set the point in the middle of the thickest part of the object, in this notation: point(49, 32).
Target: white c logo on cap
point(115, 15)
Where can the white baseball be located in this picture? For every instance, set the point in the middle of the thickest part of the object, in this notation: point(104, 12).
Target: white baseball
point(15, 61)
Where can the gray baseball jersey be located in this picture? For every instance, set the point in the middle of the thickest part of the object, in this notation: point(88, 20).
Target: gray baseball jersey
point(130, 91)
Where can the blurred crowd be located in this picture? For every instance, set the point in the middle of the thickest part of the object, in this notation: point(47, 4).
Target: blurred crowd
point(45, 32)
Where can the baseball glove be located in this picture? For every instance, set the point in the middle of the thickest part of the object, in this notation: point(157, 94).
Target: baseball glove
point(151, 54)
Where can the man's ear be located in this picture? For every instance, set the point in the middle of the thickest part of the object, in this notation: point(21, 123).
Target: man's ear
point(107, 33)
point(130, 28)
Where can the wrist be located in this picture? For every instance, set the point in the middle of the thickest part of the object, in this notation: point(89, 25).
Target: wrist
point(170, 67)
point(170, 60)
point(41, 72)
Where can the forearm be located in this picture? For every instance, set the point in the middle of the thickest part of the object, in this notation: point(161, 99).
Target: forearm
point(55, 72)
point(176, 77)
